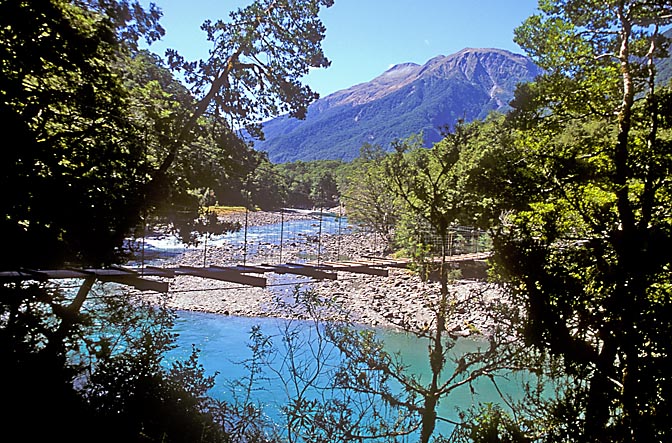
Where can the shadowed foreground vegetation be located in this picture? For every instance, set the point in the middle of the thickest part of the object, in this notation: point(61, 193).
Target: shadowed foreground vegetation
point(573, 187)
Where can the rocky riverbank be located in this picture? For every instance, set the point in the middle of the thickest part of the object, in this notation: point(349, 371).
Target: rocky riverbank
point(260, 218)
point(401, 300)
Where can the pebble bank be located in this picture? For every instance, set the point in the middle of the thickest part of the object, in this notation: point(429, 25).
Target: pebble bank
point(401, 301)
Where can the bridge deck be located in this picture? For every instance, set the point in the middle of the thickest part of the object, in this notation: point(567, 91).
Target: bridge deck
point(248, 275)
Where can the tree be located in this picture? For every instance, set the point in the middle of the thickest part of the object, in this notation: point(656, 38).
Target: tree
point(254, 69)
point(253, 73)
point(268, 187)
point(214, 166)
point(586, 249)
point(429, 183)
point(342, 385)
point(325, 191)
point(73, 172)
point(309, 184)
point(72, 180)
point(132, 392)
point(431, 186)
point(88, 162)
point(368, 199)
point(330, 397)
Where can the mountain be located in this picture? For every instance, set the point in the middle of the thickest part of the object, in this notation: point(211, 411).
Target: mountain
point(664, 66)
point(406, 99)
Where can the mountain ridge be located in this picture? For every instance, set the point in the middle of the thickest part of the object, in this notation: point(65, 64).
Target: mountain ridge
point(407, 98)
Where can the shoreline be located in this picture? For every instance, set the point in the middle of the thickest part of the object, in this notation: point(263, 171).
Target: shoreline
point(261, 218)
point(401, 301)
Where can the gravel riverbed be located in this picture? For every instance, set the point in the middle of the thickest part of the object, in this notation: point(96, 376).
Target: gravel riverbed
point(401, 300)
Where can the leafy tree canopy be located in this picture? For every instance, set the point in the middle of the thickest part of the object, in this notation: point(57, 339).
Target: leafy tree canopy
point(73, 170)
point(102, 137)
point(585, 246)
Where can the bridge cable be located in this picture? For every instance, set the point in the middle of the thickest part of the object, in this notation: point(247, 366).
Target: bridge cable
point(245, 237)
point(282, 231)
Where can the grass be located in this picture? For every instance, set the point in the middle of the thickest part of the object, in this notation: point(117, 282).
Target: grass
point(226, 210)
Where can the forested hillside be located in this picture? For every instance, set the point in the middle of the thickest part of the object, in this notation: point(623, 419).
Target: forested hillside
point(407, 99)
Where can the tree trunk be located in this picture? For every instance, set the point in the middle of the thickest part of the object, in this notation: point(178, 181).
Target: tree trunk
point(69, 317)
point(436, 357)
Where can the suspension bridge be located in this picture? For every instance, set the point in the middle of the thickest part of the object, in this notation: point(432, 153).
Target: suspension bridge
point(157, 278)
point(144, 278)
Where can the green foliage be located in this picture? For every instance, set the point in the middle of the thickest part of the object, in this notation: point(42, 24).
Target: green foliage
point(133, 394)
point(325, 191)
point(417, 197)
point(215, 163)
point(344, 386)
point(104, 140)
point(584, 231)
point(267, 187)
point(258, 58)
point(300, 184)
point(333, 395)
point(105, 372)
point(491, 424)
point(428, 191)
point(254, 72)
point(73, 172)
point(664, 66)
point(243, 418)
point(432, 185)
point(368, 196)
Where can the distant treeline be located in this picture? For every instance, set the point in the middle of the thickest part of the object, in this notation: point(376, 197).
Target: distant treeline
point(299, 184)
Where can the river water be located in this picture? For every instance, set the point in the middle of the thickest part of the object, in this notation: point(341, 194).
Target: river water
point(223, 340)
point(247, 242)
point(223, 344)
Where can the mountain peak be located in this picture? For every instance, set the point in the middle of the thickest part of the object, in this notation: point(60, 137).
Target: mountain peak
point(405, 99)
point(483, 51)
point(401, 69)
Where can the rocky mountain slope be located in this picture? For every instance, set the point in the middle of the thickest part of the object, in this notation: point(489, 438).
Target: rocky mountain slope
point(406, 99)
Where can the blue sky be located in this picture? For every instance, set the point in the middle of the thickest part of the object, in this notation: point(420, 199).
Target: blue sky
point(366, 37)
